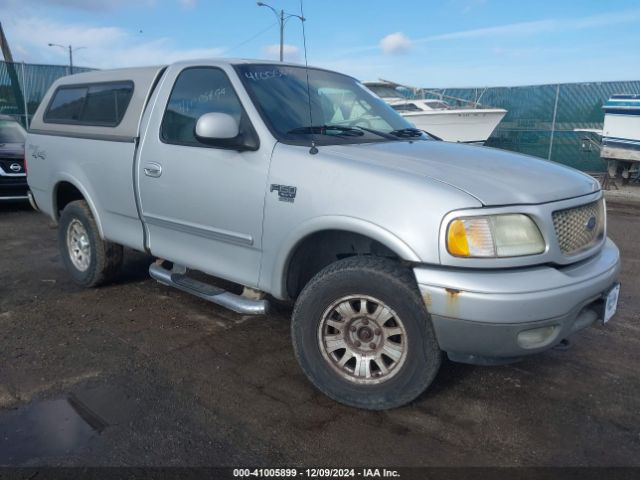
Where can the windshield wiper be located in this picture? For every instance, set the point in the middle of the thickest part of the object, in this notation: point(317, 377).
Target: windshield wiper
point(357, 131)
point(412, 132)
point(400, 133)
point(323, 129)
point(387, 135)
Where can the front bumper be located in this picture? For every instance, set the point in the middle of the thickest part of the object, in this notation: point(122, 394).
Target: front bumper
point(13, 187)
point(479, 315)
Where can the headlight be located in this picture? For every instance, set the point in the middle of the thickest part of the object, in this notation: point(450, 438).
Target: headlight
point(494, 236)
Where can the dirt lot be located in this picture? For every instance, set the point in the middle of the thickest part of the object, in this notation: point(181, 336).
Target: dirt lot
point(139, 374)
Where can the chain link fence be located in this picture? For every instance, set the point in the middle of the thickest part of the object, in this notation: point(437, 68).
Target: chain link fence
point(541, 118)
point(23, 85)
point(540, 121)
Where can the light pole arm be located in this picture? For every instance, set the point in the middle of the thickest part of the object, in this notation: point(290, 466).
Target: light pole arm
point(289, 15)
point(262, 4)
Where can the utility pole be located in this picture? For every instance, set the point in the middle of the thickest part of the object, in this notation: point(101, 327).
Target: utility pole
point(70, 59)
point(282, 17)
point(13, 75)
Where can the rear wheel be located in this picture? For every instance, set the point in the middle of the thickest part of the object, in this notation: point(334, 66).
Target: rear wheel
point(90, 260)
point(363, 336)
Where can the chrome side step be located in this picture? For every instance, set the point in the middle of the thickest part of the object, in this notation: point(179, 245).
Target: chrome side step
point(177, 278)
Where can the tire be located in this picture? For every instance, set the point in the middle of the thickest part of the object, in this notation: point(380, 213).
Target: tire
point(101, 260)
point(368, 283)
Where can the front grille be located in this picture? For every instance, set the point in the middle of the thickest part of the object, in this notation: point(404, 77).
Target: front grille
point(13, 187)
point(19, 180)
point(5, 164)
point(579, 228)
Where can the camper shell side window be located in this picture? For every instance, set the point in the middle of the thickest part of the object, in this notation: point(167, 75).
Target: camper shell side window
point(95, 104)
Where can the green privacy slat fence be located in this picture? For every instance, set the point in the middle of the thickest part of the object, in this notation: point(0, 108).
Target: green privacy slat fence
point(529, 125)
point(33, 81)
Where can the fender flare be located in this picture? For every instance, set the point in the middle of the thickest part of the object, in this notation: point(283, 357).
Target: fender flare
point(333, 222)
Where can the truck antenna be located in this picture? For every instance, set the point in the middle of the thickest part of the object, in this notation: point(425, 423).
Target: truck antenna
point(313, 150)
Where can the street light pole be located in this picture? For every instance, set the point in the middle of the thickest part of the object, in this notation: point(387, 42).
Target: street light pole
point(70, 48)
point(282, 17)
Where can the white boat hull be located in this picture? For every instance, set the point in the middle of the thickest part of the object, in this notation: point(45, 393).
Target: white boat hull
point(625, 127)
point(621, 135)
point(467, 125)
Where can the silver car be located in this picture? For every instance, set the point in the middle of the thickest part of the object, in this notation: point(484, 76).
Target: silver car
point(302, 185)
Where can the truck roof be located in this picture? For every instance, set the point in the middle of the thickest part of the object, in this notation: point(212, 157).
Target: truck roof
point(143, 79)
point(134, 72)
point(113, 74)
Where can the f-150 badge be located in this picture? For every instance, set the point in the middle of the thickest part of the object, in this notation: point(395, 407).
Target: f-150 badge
point(286, 193)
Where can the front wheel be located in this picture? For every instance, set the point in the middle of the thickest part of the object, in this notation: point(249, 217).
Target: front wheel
point(362, 334)
point(90, 260)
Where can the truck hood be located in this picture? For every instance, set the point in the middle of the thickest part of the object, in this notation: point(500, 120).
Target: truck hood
point(12, 150)
point(494, 177)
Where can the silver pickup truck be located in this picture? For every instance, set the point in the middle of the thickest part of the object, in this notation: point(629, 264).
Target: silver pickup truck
point(301, 185)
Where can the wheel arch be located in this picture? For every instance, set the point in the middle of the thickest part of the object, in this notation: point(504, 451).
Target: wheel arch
point(334, 226)
point(67, 189)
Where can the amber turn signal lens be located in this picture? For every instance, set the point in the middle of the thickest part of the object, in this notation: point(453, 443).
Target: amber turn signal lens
point(457, 239)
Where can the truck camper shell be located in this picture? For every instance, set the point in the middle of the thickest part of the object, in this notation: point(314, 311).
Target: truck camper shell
point(141, 81)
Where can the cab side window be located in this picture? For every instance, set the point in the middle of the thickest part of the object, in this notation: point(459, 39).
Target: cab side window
point(197, 91)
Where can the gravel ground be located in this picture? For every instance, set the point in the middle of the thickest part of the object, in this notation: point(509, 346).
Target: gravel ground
point(136, 373)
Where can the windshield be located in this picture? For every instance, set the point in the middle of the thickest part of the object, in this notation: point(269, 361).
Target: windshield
point(384, 91)
point(11, 132)
point(342, 109)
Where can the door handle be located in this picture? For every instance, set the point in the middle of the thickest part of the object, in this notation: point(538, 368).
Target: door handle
point(152, 169)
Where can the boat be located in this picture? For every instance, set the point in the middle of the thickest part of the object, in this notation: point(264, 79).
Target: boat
point(467, 122)
point(622, 122)
point(620, 136)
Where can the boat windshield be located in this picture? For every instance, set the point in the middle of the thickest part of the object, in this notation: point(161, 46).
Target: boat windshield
point(332, 109)
point(437, 105)
point(384, 91)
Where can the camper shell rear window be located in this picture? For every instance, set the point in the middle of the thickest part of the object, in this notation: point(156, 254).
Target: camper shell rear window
point(96, 104)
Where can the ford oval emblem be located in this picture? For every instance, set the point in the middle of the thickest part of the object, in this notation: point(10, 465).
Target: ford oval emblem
point(591, 223)
point(15, 167)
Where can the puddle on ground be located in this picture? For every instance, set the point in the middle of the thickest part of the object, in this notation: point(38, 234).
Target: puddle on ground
point(48, 428)
point(56, 428)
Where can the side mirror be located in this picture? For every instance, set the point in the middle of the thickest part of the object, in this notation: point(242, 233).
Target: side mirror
point(217, 126)
point(223, 130)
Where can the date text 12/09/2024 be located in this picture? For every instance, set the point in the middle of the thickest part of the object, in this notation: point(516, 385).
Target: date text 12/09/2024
point(316, 473)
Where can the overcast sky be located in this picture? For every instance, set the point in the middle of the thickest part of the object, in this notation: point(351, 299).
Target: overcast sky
point(444, 43)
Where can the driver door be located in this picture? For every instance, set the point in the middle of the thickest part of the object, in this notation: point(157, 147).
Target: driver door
point(202, 205)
